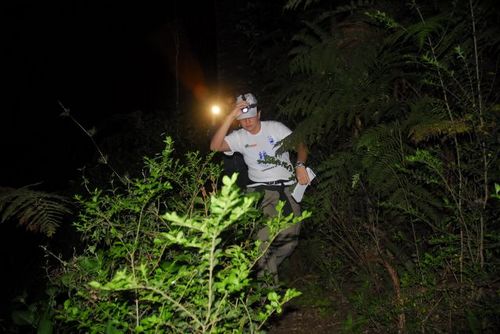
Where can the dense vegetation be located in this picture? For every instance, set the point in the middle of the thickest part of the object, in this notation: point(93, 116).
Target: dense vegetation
point(399, 106)
point(398, 103)
point(166, 252)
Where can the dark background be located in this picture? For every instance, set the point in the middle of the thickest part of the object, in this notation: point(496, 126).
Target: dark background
point(100, 60)
point(113, 65)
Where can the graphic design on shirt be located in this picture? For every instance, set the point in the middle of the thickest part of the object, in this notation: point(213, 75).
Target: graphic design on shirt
point(271, 140)
point(262, 155)
point(250, 145)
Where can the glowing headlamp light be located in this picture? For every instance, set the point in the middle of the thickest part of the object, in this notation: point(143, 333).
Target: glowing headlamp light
point(246, 109)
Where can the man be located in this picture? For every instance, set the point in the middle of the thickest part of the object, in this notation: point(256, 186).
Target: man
point(258, 142)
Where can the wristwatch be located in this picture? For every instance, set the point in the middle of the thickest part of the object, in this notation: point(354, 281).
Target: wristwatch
point(299, 164)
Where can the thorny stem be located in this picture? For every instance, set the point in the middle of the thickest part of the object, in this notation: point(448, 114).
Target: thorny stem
point(210, 277)
point(249, 317)
point(483, 145)
point(198, 190)
point(174, 302)
point(457, 150)
point(450, 114)
point(58, 258)
point(394, 278)
point(132, 263)
point(216, 313)
point(416, 250)
point(103, 157)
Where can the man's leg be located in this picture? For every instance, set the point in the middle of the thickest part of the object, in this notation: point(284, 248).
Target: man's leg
point(285, 243)
point(267, 263)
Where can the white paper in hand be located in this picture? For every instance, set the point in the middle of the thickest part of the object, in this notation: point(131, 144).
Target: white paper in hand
point(298, 191)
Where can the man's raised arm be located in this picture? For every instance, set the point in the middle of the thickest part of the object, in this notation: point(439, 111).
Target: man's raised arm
point(218, 143)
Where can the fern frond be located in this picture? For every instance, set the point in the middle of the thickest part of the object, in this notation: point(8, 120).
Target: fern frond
point(382, 151)
point(37, 211)
point(322, 34)
point(428, 119)
point(337, 81)
point(417, 202)
point(334, 191)
point(426, 131)
point(294, 4)
point(306, 38)
point(421, 31)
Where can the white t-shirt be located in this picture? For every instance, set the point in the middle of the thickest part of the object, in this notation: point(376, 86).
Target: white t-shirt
point(256, 147)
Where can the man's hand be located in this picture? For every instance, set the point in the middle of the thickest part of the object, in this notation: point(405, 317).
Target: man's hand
point(218, 143)
point(302, 176)
point(300, 167)
point(237, 109)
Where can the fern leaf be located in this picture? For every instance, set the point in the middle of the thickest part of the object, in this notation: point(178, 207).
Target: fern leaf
point(447, 129)
point(294, 4)
point(37, 211)
point(422, 31)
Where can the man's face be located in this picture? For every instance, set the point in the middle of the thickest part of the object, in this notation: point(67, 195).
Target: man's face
point(251, 124)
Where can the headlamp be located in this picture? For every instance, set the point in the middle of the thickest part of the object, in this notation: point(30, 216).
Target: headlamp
point(246, 109)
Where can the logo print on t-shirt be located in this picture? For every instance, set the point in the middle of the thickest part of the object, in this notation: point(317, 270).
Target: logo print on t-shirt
point(262, 155)
point(271, 140)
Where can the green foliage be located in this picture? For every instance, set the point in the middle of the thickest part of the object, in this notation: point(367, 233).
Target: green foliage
point(34, 315)
point(37, 211)
point(404, 134)
point(170, 253)
point(351, 325)
point(339, 81)
point(496, 194)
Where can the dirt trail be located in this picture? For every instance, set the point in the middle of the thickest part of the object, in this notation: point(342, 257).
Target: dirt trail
point(305, 320)
point(318, 310)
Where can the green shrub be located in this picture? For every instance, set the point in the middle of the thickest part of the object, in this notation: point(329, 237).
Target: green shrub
point(170, 253)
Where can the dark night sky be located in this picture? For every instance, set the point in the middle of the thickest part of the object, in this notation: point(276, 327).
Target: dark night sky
point(98, 60)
